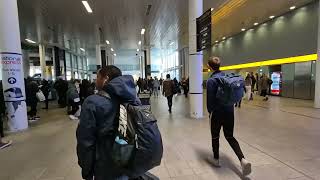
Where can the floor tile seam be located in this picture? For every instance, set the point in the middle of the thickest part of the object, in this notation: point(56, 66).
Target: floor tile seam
point(286, 164)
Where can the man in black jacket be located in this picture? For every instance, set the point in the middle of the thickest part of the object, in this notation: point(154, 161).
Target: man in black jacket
point(97, 128)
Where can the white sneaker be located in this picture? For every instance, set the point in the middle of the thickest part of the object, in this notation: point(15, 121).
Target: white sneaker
point(214, 162)
point(6, 144)
point(72, 117)
point(246, 167)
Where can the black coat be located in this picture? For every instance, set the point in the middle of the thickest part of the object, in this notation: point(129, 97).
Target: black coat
point(97, 128)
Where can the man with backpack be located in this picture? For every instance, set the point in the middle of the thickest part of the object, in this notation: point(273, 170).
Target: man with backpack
point(98, 130)
point(223, 91)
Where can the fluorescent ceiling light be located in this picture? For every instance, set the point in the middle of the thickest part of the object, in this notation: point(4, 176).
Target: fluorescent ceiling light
point(292, 7)
point(87, 6)
point(115, 54)
point(271, 17)
point(139, 42)
point(143, 31)
point(82, 50)
point(171, 43)
point(224, 38)
point(256, 24)
point(243, 29)
point(212, 9)
point(30, 41)
point(107, 42)
point(112, 49)
point(138, 50)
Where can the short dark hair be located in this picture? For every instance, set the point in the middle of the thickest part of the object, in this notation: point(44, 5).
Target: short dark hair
point(168, 76)
point(214, 63)
point(110, 71)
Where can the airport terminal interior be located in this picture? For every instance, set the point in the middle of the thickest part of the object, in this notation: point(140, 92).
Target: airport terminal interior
point(54, 52)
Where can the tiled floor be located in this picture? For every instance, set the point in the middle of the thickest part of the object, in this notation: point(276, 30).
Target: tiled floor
point(280, 137)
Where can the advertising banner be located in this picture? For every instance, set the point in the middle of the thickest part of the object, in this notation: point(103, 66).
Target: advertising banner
point(14, 90)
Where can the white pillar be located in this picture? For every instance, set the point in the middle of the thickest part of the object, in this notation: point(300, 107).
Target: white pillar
point(42, 55)
point(12, 66)
point(195, 61)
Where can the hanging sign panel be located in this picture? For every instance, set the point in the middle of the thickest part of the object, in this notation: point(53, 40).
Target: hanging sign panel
point(204, 31)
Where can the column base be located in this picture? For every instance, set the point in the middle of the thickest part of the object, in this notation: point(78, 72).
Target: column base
point(196, 106)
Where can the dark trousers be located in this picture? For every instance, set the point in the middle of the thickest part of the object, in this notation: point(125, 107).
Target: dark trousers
point(238, 104)
point(74, 107)
point(62, 100)
point(169, 98)
point(1, 126)
point(224, 120)
point(33, 111)
point(46, 102)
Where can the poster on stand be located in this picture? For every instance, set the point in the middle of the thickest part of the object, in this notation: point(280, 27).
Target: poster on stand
point(14, 90)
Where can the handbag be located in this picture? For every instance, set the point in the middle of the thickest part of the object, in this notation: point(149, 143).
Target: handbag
point(40, 96)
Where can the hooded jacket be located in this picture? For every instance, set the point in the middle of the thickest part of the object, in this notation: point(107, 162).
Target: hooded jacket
point(97, 128)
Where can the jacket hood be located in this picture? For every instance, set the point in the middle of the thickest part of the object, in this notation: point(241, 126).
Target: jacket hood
point(124, 89)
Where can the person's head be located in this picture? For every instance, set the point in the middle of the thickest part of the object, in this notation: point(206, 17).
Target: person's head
point(214, 63)
point(168, 76)
point(106, 74)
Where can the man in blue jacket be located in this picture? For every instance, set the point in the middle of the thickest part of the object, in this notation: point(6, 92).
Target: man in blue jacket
point(222, 116)
point(97, 128)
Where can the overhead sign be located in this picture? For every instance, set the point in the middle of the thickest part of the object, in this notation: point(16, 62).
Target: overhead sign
point(204, 31)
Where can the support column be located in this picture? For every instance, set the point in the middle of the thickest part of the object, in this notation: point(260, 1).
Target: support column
point(42, 55)
point(148, 62)
point(12, 66)
point(26, 63)
point(195, 62)
point(317, 81)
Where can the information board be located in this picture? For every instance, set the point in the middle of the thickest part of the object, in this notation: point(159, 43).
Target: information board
point(204, 31)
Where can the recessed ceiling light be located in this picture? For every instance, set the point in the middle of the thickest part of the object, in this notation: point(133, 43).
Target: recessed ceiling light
point(256, 24)
point(271, 17)
point(217, 41)
point(115, 54)
point(212, 9)
point(138, 50)
point(139, 43)
point(143, 31)
point(30, 41)
point(87, 6)
point(292, 7)
point(224, 38)
point(82, 50)
point(112, 49)
point(243, 29)
point(107, 42)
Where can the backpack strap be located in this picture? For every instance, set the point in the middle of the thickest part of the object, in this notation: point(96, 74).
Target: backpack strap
point(104, 94)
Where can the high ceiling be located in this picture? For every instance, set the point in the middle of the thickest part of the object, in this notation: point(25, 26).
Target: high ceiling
point(66, 23)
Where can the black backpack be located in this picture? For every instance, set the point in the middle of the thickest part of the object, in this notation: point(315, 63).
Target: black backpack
point(138, 146)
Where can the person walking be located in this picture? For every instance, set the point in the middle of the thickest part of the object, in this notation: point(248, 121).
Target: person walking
point(32, 100)
point(156, 87)
point(222, 116)
point(45, 90)
point(96, 131)
point(74, 102)
point(265, 81)
point(253, 86)
point(150, 85)
point(185, 86)
point(168, 91)
point(62, 87)
point(248, 85)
